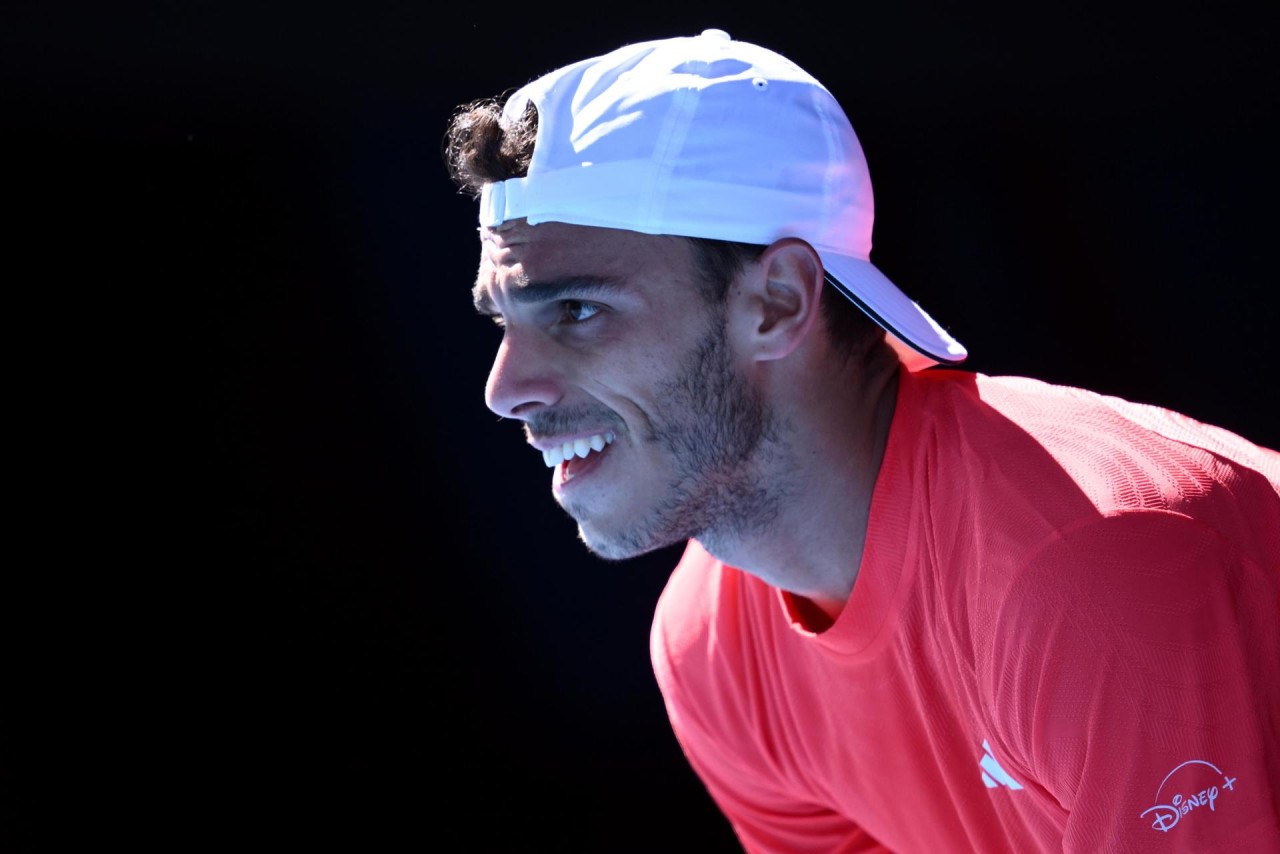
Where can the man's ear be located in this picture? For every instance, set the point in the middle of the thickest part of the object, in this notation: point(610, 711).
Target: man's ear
point(774, 305)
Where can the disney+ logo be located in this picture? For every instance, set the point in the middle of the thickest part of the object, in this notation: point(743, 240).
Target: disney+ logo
point(1168, 815)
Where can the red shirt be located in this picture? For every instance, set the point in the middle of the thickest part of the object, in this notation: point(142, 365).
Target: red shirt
point(1064, 636)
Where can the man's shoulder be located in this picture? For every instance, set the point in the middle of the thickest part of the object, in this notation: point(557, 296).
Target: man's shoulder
point(684, 611)
point(707, 625)
point(1071, 419)
point(1045, 503)
point(1117, 454)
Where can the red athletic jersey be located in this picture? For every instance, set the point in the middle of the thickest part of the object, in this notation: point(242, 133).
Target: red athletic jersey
point(1064, 636)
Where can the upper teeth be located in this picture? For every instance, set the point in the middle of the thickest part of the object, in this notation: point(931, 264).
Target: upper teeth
point(576, 448)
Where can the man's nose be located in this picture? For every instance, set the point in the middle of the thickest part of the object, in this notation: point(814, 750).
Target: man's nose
point(522, 379)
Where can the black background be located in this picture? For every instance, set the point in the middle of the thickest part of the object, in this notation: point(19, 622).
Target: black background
point(296, 584)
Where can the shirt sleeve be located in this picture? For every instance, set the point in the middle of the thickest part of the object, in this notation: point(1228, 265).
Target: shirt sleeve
point(713, 724)
point(765, 816)
point(1135, 684)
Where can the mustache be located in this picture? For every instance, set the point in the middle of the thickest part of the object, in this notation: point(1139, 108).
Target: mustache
point(558, 422)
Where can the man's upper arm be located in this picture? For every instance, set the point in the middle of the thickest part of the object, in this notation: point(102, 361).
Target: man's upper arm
point(1135, 680)
point(708, 715)
point(765, 816)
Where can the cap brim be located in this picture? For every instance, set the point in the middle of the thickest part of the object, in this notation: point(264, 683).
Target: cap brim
point(919, 340)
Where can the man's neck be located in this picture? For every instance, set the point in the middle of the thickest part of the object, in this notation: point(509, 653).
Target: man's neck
point(814, 548)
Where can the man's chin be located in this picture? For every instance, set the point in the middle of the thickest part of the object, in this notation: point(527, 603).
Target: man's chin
point(615, 546)
point(608, 548)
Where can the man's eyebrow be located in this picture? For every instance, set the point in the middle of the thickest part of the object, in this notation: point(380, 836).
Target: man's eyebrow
point(566, 287)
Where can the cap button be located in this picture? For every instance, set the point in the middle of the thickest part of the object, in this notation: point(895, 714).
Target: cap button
point(716, 34)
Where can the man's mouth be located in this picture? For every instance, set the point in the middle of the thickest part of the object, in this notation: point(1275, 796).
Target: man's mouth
point(572, 456)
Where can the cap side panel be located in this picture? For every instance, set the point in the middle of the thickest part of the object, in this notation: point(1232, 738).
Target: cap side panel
point(665, 156)
point(829, 218)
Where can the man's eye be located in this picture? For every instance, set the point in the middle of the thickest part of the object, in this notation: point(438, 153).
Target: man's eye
point(578, 311)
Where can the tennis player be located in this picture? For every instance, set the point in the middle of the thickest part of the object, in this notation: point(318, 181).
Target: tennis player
point(920, 609)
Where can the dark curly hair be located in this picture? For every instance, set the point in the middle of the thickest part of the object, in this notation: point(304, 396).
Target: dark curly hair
point(483, 146)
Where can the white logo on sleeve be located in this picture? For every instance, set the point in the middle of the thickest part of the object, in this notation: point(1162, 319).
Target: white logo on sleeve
point(1193, 775)
point(992, 774)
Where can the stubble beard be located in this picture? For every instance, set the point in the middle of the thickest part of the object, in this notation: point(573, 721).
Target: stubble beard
point(725, 451)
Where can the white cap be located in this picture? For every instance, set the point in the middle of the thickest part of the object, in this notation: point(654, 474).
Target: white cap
point(710, 137)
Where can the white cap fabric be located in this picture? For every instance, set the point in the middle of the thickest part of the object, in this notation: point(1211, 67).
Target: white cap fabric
point(709, 137)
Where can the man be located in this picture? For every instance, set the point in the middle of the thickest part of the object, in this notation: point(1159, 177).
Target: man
point(920, 610)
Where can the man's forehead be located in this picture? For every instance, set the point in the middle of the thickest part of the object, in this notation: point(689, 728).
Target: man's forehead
point(504, 245)
point(512, 233)
point(503, 253)
point(557, 248)
point(514, 254)
point(518, 242)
